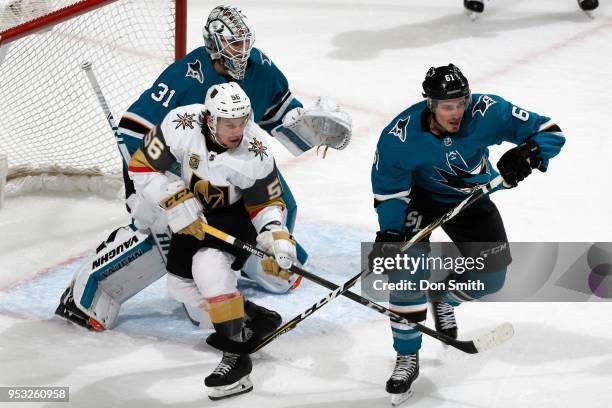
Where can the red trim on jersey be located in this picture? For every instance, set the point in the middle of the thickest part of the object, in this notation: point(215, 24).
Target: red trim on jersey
point(223, 298)
point(141, 169)
point(253, 214)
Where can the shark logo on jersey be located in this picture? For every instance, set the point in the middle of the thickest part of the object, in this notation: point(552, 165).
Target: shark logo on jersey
point(461, 178)
point(265, 59)
point(186, 120)
point(447, 141)
point(483, 104)
point(194, 70)
point(399, 129)
point(258, 148)
point(454, 157)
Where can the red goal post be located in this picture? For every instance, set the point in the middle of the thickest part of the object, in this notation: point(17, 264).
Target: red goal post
point(51, 126)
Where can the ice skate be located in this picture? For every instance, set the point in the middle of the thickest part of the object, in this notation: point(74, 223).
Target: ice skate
point(231, 377)
point(405, 372)
point(588, 6)
point(473, 8)
point(444, 319)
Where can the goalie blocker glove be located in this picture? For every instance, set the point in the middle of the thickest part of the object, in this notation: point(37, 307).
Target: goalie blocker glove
point(516, 164)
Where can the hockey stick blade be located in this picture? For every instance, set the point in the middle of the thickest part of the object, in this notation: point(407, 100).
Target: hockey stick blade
point(494, 338)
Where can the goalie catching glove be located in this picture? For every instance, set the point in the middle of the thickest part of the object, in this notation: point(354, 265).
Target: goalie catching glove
point(183, 210)
point(325, 124)
point(279, 242)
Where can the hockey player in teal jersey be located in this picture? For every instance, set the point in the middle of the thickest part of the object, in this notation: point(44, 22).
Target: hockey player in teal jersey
point(227, 55)
point(428, 159)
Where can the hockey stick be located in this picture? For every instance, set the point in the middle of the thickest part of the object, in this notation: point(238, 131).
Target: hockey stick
point(162, 241)
point(482, 191)
point(481, 343)
point(290, 325)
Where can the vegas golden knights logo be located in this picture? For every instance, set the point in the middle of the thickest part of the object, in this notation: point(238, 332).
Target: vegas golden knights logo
point(194, 161)
point(210, 196)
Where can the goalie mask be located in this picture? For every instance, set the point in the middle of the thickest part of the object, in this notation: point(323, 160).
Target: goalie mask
point(228, 38)
point(225, 101)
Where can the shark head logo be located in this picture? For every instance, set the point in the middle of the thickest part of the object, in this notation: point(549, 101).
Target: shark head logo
point(460, 177)
point(194, 70)
point(483, 104)
point(265, 59)
point(399, 129)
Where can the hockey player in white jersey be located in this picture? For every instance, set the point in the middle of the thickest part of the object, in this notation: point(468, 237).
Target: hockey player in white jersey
point(95, 294)
point(229, 180)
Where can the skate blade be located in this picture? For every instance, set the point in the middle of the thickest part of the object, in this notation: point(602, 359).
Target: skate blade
point(241, 386)
point(397, 399)
point(589, 14)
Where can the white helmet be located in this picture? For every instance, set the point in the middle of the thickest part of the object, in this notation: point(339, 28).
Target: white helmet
point(225, 101)
point(228, 38)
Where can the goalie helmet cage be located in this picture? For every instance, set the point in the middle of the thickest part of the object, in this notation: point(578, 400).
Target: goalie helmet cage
point(51, 126)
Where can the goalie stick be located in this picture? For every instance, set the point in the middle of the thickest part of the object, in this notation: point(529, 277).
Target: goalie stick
point(162, 241)
point(484, 342)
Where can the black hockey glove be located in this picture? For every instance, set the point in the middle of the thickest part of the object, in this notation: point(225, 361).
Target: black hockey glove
point(516, 163)
point(384, 245)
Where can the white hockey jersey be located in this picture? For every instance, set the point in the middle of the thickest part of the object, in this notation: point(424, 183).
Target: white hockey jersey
point(217, 176)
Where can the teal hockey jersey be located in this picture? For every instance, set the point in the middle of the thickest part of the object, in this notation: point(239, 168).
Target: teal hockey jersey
point(452, 166)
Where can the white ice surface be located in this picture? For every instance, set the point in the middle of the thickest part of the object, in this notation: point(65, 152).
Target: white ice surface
point(544, 55)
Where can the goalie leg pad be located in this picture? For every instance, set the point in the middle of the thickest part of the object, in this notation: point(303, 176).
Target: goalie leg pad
point(122, 266)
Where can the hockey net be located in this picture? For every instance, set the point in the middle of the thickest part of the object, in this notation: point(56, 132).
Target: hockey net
point(51, 126)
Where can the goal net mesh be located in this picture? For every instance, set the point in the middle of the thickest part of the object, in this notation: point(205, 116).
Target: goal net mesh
point(51, 125)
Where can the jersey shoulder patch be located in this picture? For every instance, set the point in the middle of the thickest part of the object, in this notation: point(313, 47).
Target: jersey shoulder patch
point(181, 124)
point(194, 70)
point(400, 128)
point(184, 120)
point(482, 105)
point(260, 58)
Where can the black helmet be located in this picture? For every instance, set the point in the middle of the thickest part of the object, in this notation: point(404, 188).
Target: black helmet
point(445, 82)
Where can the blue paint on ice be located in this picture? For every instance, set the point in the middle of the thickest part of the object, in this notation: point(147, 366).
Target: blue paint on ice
point(334, 254)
